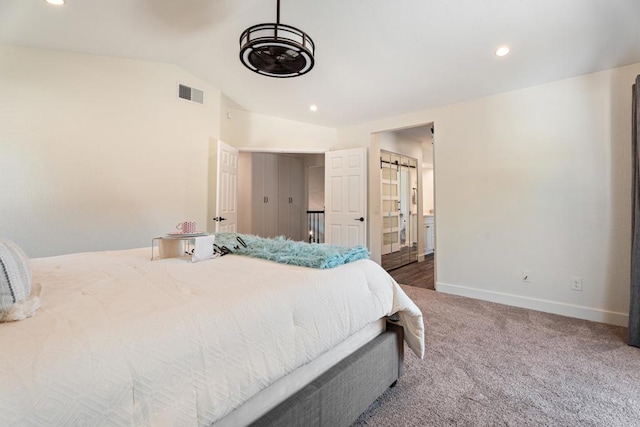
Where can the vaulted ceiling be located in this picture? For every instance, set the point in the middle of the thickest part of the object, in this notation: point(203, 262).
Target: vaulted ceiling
point(374, 58)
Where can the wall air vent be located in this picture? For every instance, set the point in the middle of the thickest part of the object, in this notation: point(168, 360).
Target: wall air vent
point(190, 94)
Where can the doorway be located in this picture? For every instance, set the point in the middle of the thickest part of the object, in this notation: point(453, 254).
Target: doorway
point(416, 142)
point(261, 182)
point(276, 193)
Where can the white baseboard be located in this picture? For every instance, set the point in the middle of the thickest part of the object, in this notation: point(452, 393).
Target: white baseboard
point(570, 310)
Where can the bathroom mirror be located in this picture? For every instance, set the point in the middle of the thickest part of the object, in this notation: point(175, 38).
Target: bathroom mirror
point(399, 178)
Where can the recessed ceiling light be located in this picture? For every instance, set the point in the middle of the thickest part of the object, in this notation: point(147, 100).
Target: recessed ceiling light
point(313, 107)
point(502, 51)
point(56, 2)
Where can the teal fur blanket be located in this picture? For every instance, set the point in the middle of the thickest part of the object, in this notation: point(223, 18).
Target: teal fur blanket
point(314, 255)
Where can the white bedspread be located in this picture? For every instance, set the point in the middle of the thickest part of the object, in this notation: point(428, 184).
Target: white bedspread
point(121, 340)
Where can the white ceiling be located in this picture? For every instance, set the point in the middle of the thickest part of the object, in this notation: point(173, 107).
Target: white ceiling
point(374, 58)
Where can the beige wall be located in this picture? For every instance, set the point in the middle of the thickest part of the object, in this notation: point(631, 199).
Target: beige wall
point(314, 181)
point(99, 153)
point(537, 179)
point(257, 132)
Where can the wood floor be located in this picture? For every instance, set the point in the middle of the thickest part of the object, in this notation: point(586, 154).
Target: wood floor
point(397, 258)
point(419, 274)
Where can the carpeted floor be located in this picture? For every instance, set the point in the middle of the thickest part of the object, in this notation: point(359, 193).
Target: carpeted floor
point(493, 365)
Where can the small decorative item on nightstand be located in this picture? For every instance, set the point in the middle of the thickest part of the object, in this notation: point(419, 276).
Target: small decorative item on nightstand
point(175, 244)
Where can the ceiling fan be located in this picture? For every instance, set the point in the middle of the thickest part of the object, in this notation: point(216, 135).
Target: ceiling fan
point(277, 50)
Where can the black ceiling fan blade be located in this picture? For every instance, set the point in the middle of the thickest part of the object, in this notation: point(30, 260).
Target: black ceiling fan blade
point(260, 58)
point(274, 51)
point(270, 68)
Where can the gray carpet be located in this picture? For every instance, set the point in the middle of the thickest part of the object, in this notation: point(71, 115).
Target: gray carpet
point(488, 364)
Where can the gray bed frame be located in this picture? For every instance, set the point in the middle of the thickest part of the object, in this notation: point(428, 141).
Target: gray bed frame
point(345, 391)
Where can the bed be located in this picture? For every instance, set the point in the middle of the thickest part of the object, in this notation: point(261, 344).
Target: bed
point(123, 340)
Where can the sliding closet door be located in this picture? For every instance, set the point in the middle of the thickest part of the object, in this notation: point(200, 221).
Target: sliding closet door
point(290, 196)
point(264, 190)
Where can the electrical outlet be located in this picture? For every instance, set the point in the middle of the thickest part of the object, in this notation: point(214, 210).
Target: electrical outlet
point(576, 283)
point(526, 276)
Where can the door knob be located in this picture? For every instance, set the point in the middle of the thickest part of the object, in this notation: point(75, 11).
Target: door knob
point(219, 218)
point(361, 219)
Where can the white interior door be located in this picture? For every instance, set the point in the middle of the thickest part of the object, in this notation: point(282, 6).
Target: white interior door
point(346, 197)
point(226, 218)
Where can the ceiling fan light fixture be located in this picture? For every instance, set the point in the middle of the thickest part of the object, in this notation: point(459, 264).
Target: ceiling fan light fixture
point(277, 50)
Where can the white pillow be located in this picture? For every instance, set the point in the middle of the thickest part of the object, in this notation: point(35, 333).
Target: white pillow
point(16, 299)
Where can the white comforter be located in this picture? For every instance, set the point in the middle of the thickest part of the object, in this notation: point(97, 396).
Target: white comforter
point(121, 340)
